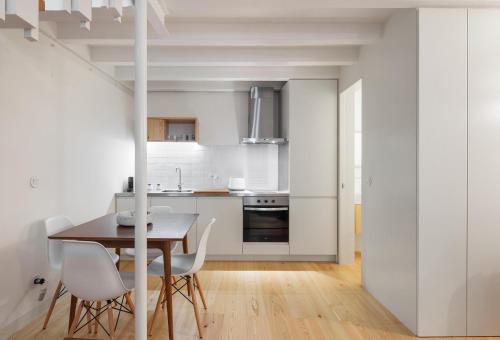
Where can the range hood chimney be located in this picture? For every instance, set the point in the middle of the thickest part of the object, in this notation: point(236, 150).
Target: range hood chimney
point(263, 118)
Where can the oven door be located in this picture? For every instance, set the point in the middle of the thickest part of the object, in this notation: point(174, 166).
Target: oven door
point(265, 224)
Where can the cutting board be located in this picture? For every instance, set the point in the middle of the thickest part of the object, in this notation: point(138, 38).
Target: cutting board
point(212, 192)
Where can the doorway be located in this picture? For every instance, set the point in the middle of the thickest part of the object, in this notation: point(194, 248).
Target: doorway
point(350, 168)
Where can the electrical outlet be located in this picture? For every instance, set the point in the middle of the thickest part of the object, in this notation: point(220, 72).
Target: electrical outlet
point(42, 294)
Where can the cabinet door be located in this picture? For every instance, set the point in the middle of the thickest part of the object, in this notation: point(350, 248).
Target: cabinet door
point(127, 203)
point(312, 114)
point(181, 205)
point(156, 129)
point(226, 237)
point(313, 226)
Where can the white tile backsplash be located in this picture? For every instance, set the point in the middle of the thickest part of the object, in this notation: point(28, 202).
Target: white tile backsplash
point(209, 167)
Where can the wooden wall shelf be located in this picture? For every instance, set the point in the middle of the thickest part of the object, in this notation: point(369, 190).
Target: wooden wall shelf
point(173, 129)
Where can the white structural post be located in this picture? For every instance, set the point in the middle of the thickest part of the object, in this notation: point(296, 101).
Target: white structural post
point(140, 124)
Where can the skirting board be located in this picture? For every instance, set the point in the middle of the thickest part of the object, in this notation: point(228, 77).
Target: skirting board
point(284, 258)
point(16, 325)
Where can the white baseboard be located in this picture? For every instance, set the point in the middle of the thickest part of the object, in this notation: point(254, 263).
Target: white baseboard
point(282, 258)
point(16, 325)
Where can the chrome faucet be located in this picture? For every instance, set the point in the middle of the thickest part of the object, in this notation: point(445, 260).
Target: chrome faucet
point(179, 184)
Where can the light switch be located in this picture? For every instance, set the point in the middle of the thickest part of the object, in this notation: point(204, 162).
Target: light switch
point(34, 182)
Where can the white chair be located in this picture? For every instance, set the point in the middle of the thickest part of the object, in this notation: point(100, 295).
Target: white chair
point(154, 253)
point(54, 225)
point(185, 266)
point(89, 273)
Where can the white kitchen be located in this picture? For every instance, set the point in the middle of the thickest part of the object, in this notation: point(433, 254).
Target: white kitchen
point(268, 170)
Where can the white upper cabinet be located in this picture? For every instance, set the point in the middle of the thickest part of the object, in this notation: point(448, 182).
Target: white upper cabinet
point(222, 116)
point(310, 106)
point(226, 237)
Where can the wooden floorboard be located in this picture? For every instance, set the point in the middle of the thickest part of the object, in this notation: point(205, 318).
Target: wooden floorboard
point(260, 300)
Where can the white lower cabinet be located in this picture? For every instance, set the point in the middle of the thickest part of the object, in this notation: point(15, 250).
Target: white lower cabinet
point(226, 237)
point(185, 205)
point(313, 226)
point(127, 203)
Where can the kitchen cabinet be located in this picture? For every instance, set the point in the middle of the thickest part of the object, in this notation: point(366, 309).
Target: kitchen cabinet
point(310, 118)
point(311, 112)
point(127, 203)
point(156, 130)
point(313, 226)
point(181, 205)
point(222, 117)
point(226, 237)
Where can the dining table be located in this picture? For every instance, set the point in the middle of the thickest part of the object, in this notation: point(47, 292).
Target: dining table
point(164, 229)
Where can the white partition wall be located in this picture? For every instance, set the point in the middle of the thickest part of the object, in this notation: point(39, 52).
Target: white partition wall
point(442, 172)
point(483, 286)
point(389, 199)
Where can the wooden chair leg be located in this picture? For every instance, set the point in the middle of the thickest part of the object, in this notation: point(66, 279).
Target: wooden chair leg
point(89, 317)
point(52, 304)
point(111, 321)
point(97, 316)
point(76, 319)
point(197, 281)
point(160, 298)
point(130, 303)
point(195, 305)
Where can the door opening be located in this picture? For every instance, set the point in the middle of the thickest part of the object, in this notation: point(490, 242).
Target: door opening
point(350, 165)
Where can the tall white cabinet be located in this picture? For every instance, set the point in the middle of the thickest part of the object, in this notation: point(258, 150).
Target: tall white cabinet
point(458, 185)
point(483, 281)
point(310, 109)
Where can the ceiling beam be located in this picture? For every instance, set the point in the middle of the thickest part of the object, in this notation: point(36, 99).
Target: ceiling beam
point(229, 56)
point(204, 73)
point(229, 34)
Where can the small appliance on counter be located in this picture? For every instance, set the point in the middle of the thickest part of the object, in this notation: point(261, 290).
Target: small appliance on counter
point(130, 186)
point(236, 184)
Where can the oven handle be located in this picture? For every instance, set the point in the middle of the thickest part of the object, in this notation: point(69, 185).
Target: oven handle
point(266, 209)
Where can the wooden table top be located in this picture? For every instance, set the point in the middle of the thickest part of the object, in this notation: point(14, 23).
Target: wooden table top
point(168, 227)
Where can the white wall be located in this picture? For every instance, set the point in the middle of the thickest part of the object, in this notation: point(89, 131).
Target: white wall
point(442, 171)
point(223, 121)
point(389, 73)
point(209, 167)
point(483, 286)
point(70, 126)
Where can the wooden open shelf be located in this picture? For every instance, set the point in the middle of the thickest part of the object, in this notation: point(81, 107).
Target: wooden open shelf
point(173, 129)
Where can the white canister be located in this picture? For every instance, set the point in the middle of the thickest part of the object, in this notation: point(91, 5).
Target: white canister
point(236, 183)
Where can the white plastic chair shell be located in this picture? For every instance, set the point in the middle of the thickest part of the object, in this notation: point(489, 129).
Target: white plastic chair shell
point(154, 253)
point(184, 264)
point(54, 225)
point(89, 273)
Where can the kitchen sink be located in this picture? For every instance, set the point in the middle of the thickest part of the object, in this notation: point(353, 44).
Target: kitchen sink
point(178, 191)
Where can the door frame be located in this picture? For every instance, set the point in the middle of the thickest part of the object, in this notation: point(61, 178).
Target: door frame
point(346, 235)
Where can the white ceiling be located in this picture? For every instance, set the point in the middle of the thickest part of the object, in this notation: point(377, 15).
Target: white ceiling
point(225, 41)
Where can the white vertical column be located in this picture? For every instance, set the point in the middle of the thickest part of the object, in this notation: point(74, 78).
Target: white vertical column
point(140, 125)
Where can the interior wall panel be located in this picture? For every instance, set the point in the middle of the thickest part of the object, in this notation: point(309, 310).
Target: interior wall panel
point(442, 171)
point(483, 288)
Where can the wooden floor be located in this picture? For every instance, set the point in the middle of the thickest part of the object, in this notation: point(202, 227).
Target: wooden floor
point(262, 300)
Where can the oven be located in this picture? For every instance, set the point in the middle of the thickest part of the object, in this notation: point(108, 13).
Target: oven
point(265, 219)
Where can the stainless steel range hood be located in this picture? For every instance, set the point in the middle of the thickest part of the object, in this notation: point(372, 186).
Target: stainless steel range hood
point(263, 118)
